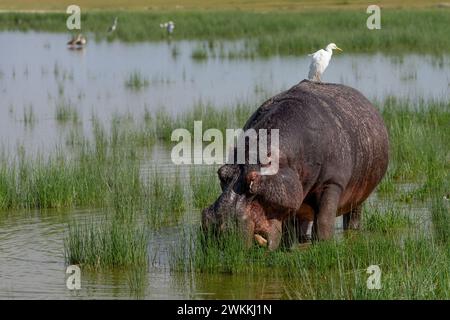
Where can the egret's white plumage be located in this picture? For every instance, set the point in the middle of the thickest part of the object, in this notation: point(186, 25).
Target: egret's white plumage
point(319, 62)
point(169, 26)
point(114, 26)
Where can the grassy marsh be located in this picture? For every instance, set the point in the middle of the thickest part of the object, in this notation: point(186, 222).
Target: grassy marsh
point(394, 236)
point(414, 264)
point(107, 173)
point(271, 33)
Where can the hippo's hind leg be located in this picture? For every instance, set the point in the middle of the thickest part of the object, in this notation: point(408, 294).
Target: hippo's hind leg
point(351, 220)
point(326, 217)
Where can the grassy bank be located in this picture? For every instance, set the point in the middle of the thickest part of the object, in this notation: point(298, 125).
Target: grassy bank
point(258, 5)
point(265, 34)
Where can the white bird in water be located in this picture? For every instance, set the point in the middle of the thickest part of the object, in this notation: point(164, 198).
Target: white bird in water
point(169, 26)
point(320, 61)
point(114, 26)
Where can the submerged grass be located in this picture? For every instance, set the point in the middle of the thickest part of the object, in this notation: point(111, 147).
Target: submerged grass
point(136, 81)
point(65, 112)
point(269, 33)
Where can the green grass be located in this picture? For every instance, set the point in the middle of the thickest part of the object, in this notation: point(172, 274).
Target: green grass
point(29, 117)
point(99, 171)
point(136, 81)
point(254, 5)
point(65, 112)
point(106, 244)
point(385, 220)
point(199, 54)
point(88, 177)
point(137, 279)
point(106, 173)
point(164, 200)
point(419, 149)
point(265, 34)
point(414, 265)
point(205, 187)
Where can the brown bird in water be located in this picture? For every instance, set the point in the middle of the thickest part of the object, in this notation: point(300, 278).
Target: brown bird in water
point(77, 42)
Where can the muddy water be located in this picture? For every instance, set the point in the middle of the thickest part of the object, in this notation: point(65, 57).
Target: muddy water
point(32, 267)
point(36, 70)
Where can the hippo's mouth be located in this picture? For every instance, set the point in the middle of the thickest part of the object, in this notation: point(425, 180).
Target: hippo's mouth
point(260, 240)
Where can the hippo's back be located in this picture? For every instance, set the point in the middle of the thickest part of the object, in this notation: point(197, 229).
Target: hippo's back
point(338, 127)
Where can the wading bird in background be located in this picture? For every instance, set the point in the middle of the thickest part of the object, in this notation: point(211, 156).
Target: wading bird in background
point(77, 42)
point(320, 61)
point(169, 26)
point(114, 26)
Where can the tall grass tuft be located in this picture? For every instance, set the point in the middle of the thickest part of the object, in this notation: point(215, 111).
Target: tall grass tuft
point(106, 244)
point(136, 81)
point(66, 112)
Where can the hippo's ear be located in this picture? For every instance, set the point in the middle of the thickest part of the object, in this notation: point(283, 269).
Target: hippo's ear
point(226, 174)
point(282, 189)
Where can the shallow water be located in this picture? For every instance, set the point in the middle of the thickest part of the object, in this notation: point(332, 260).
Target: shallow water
point(32, 266)
point(37, 71)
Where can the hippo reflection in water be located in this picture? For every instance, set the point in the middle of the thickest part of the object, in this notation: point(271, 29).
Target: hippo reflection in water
point(333, 151)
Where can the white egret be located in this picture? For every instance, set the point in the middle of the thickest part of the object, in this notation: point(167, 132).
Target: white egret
point(114, 26)
point(169, 26)
point(320, 61)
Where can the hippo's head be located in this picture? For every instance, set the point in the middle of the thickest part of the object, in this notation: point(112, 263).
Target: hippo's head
point(254, 201)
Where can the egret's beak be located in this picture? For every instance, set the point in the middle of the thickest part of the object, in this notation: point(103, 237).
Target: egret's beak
point(339, 49)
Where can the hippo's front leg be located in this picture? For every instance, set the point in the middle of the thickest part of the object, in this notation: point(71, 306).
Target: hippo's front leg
point(327, 212)
point(274, 234)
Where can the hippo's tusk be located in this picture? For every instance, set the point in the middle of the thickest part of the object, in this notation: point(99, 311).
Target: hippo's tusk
point(261, 241)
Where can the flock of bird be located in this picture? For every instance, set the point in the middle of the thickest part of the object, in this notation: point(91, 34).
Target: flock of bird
point(169, 26)
point(79, 41)
point(319, 61)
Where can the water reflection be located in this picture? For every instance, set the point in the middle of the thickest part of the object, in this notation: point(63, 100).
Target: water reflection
point(37, 72)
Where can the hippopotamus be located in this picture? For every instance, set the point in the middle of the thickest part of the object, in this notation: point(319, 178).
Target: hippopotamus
point(333, 152)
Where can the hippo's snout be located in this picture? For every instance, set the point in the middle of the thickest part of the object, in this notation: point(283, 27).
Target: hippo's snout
point(218, 216)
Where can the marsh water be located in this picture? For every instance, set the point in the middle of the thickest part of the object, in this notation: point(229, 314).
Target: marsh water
point(37, 70)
